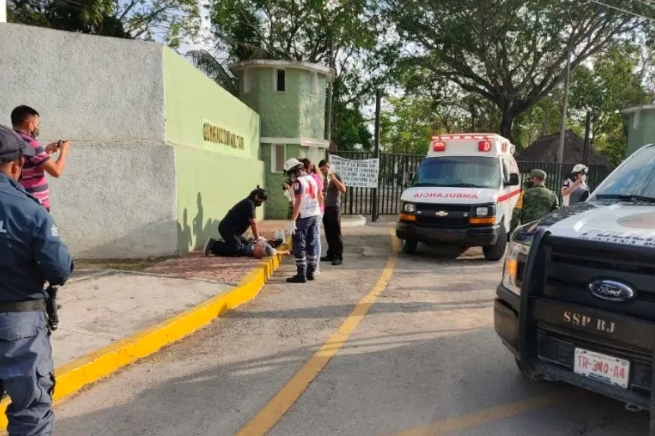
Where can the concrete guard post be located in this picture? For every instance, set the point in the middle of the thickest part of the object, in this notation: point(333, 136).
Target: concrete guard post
point(73, 376)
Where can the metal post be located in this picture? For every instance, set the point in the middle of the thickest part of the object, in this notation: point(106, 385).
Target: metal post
point(587, 135)
point(565, 100)
point(376, 152)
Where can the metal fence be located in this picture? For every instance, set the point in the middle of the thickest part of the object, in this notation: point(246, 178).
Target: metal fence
point(557, 173)
point(395, 176)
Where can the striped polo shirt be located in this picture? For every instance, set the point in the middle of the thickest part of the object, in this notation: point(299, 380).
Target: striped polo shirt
point(33, 178)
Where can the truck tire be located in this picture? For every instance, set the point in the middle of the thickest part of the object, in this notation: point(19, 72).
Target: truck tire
point(497, 251)
point(534, 377)
point(410, 246)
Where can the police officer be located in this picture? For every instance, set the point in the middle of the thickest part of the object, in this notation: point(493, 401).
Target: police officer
point(535, 202)
point(31, 253)
point(304, 220)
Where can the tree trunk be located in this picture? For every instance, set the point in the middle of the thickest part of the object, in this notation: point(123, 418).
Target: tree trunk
point(506, 126)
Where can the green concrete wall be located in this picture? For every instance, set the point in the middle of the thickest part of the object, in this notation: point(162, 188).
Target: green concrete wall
point(293, 113)
point(644, 133)
point(210, 177)
point(277, 205)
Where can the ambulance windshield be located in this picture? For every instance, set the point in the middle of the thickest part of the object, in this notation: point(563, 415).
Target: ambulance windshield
point(459, 172)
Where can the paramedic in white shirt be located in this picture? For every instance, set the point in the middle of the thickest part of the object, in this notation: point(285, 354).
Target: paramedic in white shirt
point(575, 189)
point(304, 220)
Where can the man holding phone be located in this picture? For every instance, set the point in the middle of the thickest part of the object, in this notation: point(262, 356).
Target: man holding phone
point(25, 121)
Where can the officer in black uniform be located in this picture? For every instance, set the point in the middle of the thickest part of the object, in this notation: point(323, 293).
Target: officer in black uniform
point(31, 253)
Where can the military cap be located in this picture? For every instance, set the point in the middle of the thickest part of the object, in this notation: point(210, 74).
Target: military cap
point(540, 174)
point(13, 146)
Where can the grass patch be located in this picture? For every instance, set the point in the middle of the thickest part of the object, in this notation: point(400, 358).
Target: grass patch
point(120, 264)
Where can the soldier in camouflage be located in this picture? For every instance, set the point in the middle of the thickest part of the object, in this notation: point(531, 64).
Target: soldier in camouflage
point(535, 202)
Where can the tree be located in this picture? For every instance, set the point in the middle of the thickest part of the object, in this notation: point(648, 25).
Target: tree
point(334, 34)
point(612, 84)
point(169, 20)
point(511, 53)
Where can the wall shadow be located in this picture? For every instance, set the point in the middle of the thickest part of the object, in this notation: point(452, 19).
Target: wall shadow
point(193, 236)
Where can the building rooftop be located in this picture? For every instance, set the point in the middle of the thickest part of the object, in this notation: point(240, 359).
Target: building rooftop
point(264, 63)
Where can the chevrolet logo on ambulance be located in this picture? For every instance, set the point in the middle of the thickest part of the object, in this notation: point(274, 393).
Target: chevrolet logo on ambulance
point(441, 213)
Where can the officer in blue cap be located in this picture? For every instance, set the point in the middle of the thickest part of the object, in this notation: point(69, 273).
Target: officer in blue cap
point(31, 253)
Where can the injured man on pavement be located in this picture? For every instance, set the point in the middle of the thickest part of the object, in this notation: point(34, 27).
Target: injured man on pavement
point(251, 248)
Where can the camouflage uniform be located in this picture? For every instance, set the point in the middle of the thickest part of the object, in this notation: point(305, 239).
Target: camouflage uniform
point(534, 203)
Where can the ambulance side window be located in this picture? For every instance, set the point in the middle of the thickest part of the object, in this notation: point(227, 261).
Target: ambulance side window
point(505, 170)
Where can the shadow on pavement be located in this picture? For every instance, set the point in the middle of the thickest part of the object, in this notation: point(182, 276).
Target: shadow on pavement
point(375, 386)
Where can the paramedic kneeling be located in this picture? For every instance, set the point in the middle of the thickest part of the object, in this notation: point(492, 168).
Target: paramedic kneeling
point(30, 253)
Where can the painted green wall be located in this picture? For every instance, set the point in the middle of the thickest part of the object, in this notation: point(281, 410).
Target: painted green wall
point(211, 177)
point(644, 133)
point(293, 113)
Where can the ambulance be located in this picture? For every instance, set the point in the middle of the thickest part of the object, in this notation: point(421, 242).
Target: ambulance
point(462, 194)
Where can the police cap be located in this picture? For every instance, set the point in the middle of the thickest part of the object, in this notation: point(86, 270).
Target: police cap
point(540, 174)
point(13, 146)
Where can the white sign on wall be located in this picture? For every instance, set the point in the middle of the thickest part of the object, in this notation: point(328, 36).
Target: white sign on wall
point(362, 173)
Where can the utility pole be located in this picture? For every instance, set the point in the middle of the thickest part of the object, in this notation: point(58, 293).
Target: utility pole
point(378, 108)
point(565, 100)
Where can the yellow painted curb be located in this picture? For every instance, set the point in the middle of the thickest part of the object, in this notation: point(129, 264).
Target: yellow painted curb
point(88, 369)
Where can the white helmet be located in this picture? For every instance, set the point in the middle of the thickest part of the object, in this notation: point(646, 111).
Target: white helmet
point(579, 168)
point(291, 164)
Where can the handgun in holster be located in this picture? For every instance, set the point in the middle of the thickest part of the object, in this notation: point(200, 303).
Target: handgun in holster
point(51, 308)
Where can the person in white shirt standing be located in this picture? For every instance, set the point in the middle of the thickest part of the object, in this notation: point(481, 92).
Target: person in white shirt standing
point(575, 189)
point(304, 220)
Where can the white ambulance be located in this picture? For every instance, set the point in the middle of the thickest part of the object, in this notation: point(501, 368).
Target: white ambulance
point(462, 194)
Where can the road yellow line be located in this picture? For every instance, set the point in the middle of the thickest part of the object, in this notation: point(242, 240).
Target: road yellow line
point(482, 417)
point(277, 406)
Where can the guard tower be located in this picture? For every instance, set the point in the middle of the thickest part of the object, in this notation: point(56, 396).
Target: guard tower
point(290, 98)
point(641, 127)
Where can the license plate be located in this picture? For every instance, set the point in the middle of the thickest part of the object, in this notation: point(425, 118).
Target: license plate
point(602, 367)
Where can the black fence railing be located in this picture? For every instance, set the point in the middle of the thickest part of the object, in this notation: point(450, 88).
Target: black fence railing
point(395, 176)
point(557, 173)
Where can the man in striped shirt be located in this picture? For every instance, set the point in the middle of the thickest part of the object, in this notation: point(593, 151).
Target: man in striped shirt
point(25, 122)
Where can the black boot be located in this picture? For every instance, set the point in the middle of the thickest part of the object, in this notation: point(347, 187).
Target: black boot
point(300, 276)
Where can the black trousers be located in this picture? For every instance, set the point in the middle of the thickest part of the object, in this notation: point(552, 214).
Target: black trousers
point(234, 242)
point(332, 227)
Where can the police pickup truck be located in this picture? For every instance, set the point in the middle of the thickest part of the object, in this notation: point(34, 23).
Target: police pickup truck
point(577, 298)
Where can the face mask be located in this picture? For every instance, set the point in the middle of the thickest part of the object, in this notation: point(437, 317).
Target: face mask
point(583, 177)
point(529, 184)
point(35, 132)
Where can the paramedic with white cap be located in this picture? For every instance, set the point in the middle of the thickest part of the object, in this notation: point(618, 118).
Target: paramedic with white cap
point(304, 220)
point(575, 189)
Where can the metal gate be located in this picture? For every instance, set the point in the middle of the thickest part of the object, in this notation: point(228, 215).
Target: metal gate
point(396, 168)
point(394, 178)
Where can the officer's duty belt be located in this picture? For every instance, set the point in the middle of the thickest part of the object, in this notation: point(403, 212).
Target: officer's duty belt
point(23, 306)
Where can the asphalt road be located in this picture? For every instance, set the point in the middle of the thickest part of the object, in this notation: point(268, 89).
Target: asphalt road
point(417, 356)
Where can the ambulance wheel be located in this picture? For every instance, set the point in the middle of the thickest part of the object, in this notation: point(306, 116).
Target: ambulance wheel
point(410, 246)
point(497, 251)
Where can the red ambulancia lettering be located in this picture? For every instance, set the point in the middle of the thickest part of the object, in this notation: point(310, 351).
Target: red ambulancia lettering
point(446, 195)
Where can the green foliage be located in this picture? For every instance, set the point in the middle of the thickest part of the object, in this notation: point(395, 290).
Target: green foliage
point(169, 20)
point(334, 34)
point(614, 83)
point(510, 53)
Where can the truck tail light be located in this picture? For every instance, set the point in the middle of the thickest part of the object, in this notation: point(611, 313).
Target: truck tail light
point(484, 146)
point(439, 146)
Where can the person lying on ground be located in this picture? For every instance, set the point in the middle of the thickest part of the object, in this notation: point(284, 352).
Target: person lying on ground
point(252, 248)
